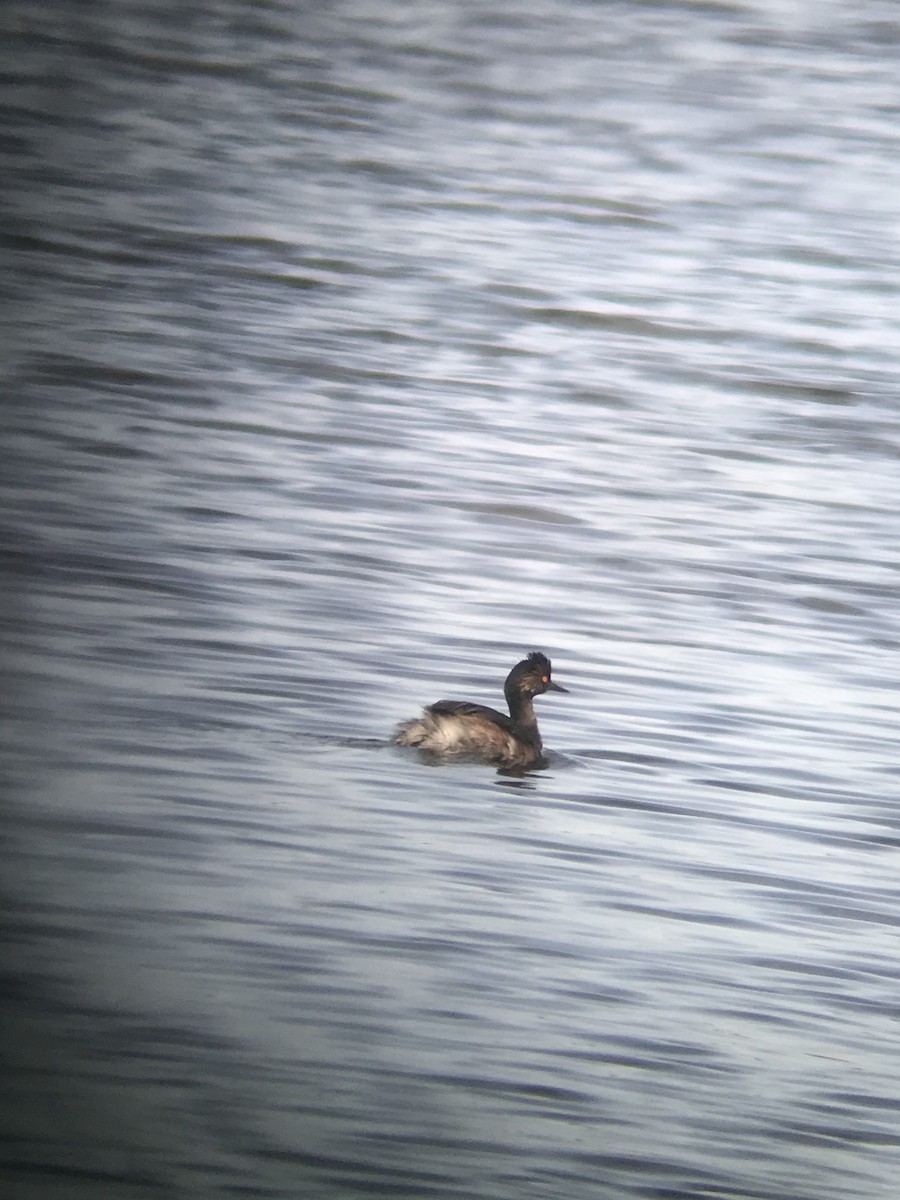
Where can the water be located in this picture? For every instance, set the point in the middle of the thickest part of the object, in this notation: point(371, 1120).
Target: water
point(352, 351)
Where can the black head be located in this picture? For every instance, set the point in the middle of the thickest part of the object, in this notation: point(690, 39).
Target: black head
point(531, 677)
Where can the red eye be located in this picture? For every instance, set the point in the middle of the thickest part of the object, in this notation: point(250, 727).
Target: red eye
point(546, 679)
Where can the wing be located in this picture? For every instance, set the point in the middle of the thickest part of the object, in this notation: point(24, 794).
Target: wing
point(468, 712)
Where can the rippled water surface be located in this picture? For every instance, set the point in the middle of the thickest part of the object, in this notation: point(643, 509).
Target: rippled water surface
point(352, 351)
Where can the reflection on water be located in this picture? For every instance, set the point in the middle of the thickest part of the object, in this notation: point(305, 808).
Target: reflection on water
point(353, 353)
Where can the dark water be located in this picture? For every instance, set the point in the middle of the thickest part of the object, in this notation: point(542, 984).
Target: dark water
point(351, 351)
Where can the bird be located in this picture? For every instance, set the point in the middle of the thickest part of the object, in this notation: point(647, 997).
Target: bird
point(460, 729)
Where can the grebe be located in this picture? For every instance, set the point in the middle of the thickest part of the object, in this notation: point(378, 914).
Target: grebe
point(456, 728)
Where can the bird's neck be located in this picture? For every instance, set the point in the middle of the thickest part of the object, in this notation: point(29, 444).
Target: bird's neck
point(521, 711)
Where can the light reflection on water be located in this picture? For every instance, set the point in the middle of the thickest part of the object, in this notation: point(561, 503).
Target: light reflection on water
point(355, 355)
